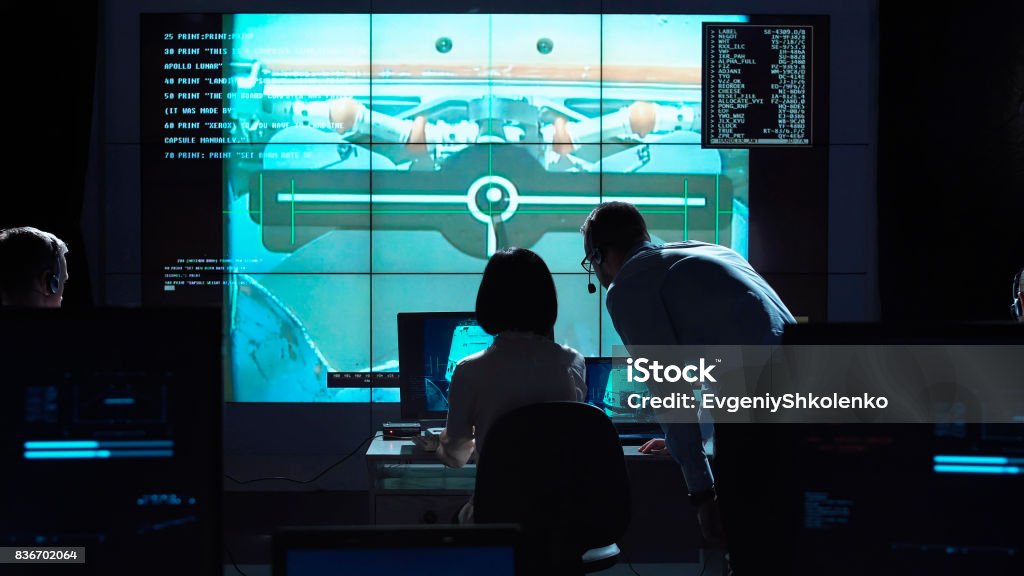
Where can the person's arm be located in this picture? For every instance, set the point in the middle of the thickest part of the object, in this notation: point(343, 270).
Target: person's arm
point(638, 319)
point(578, 377)
point(456, 444)
point(685, 444)
point(690, 302)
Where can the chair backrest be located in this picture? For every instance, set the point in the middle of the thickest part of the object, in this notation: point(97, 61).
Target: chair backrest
point(556, 469)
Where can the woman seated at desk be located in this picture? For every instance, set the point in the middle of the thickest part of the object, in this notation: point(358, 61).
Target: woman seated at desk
point(517, 304)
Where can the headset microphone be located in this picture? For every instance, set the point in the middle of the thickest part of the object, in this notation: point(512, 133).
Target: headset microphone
point(593, 259)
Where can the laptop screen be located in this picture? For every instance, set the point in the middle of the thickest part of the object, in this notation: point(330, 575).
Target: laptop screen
point(609, 389)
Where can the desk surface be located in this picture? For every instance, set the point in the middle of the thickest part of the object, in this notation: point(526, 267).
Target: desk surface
point(406, 483)
point(406, 451)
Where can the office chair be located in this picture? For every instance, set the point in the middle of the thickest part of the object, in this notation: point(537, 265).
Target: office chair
point(557, 470)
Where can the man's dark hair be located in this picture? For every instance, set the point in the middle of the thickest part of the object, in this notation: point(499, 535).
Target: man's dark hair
point(24, 253)
point(517, 293)
point(615, 226)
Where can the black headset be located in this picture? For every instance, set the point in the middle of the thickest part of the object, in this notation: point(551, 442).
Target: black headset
point(1017, 307)
point(53, 284)
point(595, 260)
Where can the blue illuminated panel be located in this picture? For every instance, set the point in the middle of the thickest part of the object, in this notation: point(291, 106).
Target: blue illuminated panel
point(950, 464)
point(91, 449)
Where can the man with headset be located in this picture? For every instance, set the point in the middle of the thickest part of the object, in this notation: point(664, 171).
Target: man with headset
point(33, 268)
point(690, 293)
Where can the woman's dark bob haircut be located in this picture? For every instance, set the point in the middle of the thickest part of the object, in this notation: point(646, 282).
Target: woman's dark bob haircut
point(517, 293)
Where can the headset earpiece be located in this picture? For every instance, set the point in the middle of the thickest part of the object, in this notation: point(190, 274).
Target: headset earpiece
point(1018, 306)
point(53, 283)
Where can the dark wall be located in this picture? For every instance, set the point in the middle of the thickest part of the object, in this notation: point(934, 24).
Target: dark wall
point(951, 165)
point(49, 82)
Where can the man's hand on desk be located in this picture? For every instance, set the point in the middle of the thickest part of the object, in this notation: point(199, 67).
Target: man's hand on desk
point(656, 446)
point(428, 442)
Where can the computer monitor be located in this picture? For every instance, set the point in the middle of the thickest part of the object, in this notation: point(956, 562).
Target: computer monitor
point(110, 437)
point(423, 550)
point(430, 345)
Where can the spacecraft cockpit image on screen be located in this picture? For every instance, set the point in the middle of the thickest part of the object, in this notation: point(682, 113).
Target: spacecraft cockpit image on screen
point(374, 162)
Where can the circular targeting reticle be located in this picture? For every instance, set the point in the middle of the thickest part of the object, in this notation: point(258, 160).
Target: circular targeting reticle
point(495, 194)
point(499, 197)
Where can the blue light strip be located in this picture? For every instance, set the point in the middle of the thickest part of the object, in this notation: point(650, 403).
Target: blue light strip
point(66, 454)
point(137, 444)
point(95, 444)
point(955, 469)
point(992, 460)
point(86, 454)
point(141, 453)
point(62, 445)
point(119, 401)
